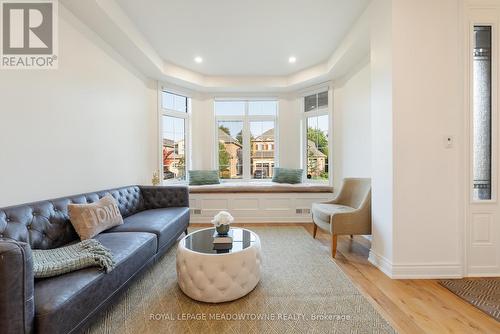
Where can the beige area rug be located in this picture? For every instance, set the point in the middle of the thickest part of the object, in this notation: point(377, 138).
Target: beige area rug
point(483, 293)
point(301, 291)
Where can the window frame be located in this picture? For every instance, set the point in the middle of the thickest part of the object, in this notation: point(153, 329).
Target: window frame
point(186, 116)
point(246, 119)
point(326, 110)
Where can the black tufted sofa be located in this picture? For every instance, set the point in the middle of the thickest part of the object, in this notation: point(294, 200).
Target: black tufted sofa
point(154, 217)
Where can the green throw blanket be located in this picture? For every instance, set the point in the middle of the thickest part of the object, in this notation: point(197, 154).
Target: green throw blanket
point(58, 261)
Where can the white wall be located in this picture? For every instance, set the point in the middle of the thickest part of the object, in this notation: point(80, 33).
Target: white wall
point(416, 102)
point(352, 126)
point(382, 132)
point(427, 106)
point(89, 125)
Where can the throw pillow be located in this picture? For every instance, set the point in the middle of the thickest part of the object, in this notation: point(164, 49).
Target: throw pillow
point(91, 219)
point(287, 175)
point(201, 177)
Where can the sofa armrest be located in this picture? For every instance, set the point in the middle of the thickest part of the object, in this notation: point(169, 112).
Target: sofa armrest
point(165, 196)
point(17, 308)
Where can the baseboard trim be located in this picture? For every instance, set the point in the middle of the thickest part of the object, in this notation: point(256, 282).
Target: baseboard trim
point(483, 271)
point(382, 263)
point(415, 271)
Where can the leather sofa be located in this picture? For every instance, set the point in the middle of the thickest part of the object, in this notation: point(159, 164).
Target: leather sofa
point(154, 218)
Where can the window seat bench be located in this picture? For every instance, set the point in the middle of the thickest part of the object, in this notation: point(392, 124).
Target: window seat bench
point(257, 202)
point(260, 187)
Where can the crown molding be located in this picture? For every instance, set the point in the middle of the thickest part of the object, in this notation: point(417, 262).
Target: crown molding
point(107, 19)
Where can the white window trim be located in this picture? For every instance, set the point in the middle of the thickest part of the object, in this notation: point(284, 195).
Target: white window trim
point(320, 88)
point(187, 138)
point(246, 119)
point(314, 113)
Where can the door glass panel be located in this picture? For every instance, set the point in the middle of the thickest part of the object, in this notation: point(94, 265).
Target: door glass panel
point(230, 141)
point(482, 152)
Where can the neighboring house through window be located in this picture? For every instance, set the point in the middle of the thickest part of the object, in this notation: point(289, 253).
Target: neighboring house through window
point(246, 138)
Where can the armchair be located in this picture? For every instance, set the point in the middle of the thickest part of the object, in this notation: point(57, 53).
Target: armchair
point(349, 213)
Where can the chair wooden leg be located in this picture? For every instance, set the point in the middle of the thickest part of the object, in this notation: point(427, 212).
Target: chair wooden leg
point(315, 229)
point(334, 245)
point(351, 236)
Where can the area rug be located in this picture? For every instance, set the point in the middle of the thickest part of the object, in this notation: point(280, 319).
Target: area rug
point(483, 293)
point(301, 291)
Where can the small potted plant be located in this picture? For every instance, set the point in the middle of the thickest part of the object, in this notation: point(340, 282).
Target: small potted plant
point(221, 221)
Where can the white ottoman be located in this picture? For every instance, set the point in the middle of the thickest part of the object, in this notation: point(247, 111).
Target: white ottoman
point(207, 275)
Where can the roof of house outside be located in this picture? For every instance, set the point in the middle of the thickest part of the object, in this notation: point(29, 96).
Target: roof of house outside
point(266, 136)
point(227, 139)
point(314, 150)
point(168, 142)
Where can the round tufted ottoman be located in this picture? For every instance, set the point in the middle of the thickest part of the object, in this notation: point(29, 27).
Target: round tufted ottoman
point(216, 276)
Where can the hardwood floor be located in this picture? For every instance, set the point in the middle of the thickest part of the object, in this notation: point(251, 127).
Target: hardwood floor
point(411, 306)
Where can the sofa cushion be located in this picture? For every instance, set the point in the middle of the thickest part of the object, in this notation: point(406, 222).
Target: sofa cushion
point(63, 302)
point(166, 223)
point(91, 219)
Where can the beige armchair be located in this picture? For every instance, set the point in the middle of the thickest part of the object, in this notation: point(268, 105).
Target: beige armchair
point(349, 213)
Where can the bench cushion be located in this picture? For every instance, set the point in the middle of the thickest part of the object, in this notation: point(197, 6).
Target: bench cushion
point(63, 302)
point(167, 224)
point(260, 187)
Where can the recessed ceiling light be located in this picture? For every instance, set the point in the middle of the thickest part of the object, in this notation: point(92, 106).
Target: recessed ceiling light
point(292, 60)
point(198, 60)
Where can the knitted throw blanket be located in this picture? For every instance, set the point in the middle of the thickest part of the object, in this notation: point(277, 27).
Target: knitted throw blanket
point(58, 261)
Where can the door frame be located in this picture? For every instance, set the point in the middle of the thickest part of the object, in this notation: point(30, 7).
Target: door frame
point(480, 12)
